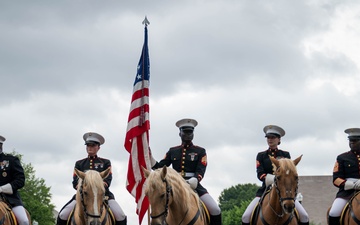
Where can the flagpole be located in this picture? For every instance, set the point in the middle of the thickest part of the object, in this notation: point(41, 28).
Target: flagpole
point(146, 23)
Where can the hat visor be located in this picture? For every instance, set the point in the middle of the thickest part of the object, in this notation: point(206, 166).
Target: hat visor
point(272, 135)
point(354, 138)
point(92, 142)
point(187, 128)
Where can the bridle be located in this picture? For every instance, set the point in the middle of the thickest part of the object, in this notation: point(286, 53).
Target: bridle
point(281, 203)
point(167, 197)
point(85, 211)
point(84, 205)
point(287, 191)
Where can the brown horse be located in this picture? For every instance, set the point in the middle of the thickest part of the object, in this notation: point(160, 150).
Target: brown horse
point(278, 205)
point(351, 211)
point(7, 217)
point(90, 208)
point(172, 200)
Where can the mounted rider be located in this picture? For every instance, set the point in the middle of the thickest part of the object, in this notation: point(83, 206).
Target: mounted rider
point(190, 161)
point(346, 175)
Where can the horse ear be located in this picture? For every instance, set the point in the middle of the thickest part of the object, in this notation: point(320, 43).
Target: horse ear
point(145, 171)
point(275, 161)
point(79, 173)
point(105, 173)
point(297, 160)
point(163, 172)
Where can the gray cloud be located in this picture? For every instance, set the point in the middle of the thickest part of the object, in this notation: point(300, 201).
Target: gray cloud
point(67, 68)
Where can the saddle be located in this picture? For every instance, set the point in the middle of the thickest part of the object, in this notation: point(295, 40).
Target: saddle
point(204, 208)
point(6, 208)
point(206, 211)
point(347, 208)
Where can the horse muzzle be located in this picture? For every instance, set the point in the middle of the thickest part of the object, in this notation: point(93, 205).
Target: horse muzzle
point(288, 206)
point(94, 221)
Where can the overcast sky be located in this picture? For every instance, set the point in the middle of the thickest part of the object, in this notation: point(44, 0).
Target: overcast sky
point(67, 68)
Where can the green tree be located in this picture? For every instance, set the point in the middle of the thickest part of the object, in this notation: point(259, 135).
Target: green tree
point(36, 196)
point(234, 201)
point(233, 216)
point(234, 195)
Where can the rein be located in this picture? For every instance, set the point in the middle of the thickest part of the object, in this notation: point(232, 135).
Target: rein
point(166, 210)
point(265, 223)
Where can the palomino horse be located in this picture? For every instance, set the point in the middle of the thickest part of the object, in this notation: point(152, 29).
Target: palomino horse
point(278, 205)
point(90, 208)
point(7, 217)
point(172, 200)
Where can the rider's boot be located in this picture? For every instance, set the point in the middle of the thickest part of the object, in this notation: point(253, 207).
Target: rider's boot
point(334, 220)
point(215, 220)
point(60, 221)
point(122, 222)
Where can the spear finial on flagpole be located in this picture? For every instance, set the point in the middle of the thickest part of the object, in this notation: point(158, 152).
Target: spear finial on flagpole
point(145, 22)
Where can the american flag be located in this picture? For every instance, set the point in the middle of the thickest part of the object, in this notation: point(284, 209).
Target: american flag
point(137, 133)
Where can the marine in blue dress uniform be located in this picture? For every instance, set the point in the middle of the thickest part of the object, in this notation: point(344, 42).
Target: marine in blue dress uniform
point(12, 178)
point(346, 175)
point(190, 161)
point(265, 173)
point(93, 162)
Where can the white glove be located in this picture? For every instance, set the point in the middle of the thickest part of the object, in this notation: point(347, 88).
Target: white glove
point(7, 189)
point(349, 184)
point(193, 182)
point(357, 185)
point(269, 179)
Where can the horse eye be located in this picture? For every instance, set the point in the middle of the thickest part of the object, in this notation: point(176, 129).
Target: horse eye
point(162, 196)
